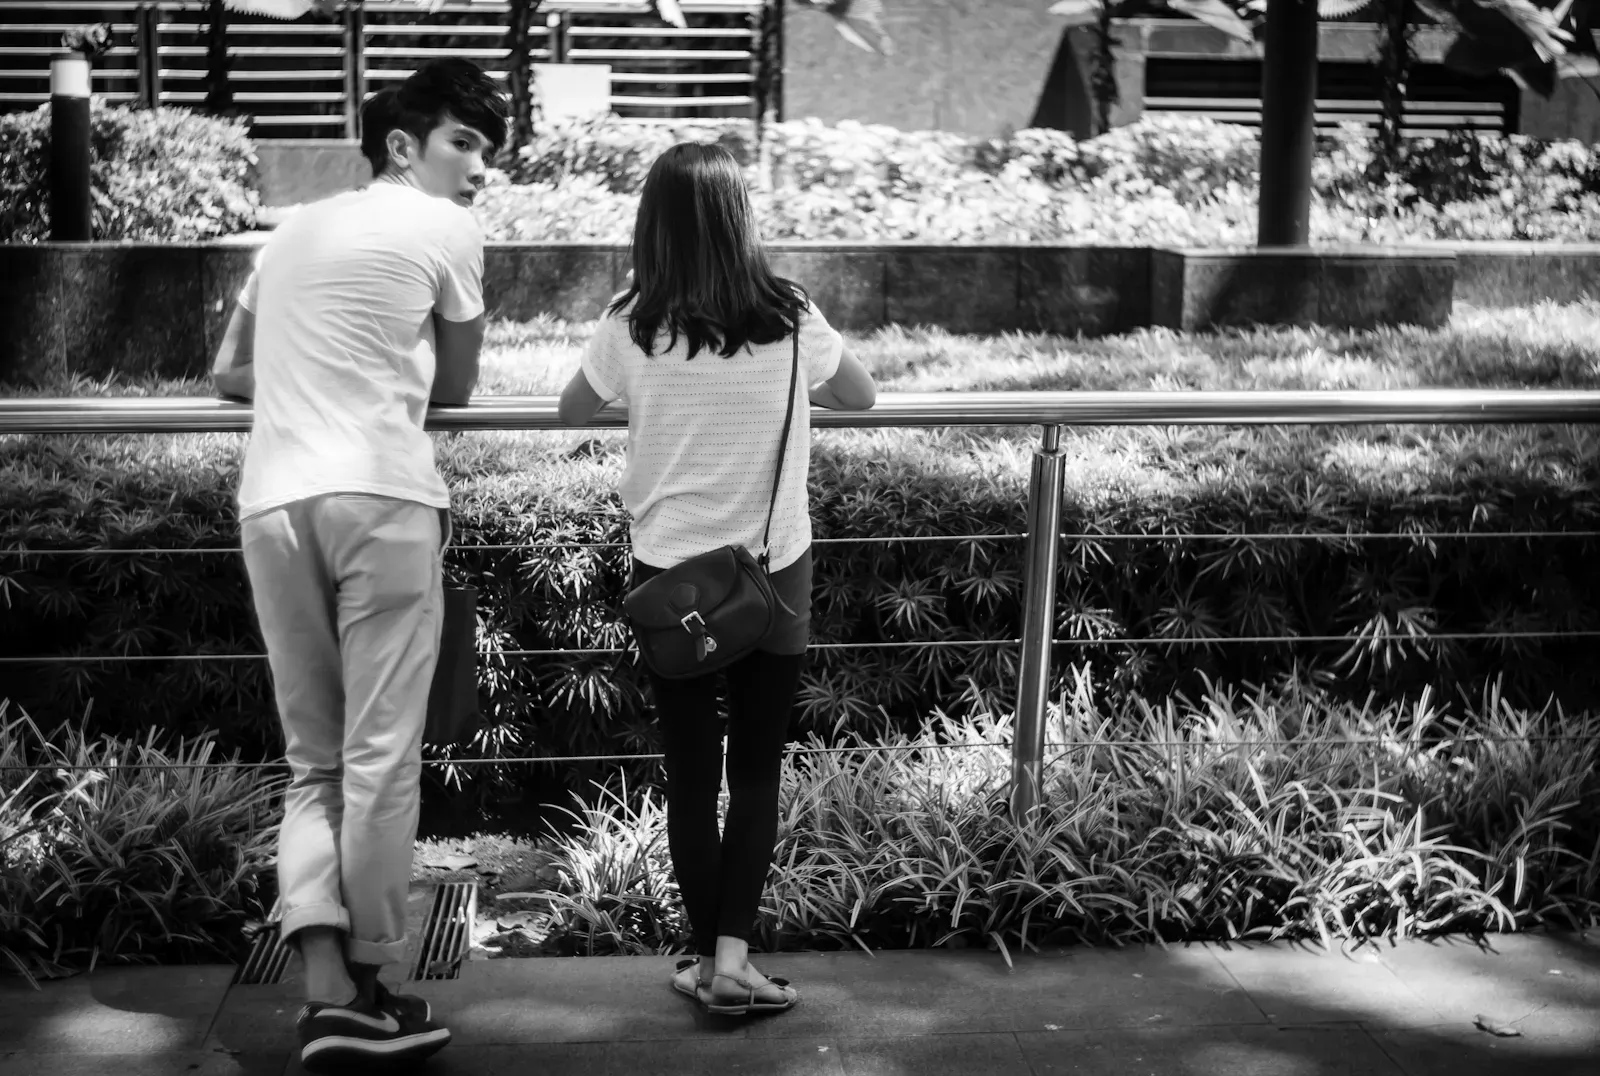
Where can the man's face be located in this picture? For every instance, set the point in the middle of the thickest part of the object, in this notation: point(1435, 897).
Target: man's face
point(451, 164)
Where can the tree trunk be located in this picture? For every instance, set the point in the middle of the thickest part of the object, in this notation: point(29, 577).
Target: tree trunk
point(1103, 79)
point(519, 72)
point(219, 95)
point(1395, 58)
point(764, 90)
point(1288, 123)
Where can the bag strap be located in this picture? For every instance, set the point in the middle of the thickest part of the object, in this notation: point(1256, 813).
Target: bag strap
point(783, 445)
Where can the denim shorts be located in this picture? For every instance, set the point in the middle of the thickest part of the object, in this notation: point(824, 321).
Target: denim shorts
point(792, 633)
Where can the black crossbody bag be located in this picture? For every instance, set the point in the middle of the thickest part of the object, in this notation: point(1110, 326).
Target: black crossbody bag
point(711, 610)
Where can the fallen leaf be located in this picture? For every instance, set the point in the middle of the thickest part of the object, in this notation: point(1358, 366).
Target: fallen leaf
point(1495, 1027)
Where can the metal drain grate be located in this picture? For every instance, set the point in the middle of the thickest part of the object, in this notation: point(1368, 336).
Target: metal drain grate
point(268, 959)
point(447, 933)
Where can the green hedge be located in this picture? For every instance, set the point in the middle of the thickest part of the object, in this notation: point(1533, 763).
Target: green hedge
point(1134, 492)
point(1162, 181)
point(170, 175)
point(176, 175)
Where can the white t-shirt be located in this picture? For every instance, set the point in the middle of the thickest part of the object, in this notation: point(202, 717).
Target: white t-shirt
point(703, 439)
point(343, 295)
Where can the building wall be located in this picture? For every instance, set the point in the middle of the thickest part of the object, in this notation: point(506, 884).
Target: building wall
point(975, 67)
point(1572, 112)
point(982, 67)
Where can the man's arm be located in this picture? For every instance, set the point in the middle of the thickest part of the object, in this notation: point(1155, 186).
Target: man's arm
point(457, 345)
point(234, 372)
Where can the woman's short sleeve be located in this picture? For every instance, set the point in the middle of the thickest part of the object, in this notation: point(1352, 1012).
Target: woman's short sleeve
point(820, 347)
point(604, 359)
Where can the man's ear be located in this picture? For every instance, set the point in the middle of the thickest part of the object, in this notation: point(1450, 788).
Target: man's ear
point(400, 144)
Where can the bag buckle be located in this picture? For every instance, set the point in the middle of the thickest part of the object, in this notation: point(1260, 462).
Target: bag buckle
point(704, 641)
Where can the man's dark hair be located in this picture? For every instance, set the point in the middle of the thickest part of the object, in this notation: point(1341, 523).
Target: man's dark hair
point(455, 88)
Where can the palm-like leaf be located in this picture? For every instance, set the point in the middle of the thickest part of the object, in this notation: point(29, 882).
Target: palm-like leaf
point(1215, 13)
point(859, 22)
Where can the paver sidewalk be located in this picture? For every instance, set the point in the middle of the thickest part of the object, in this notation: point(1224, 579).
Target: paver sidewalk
point(1203, 1010)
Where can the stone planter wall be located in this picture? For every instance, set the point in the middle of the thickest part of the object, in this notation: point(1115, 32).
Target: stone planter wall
point(95, 308)
point(98, 308)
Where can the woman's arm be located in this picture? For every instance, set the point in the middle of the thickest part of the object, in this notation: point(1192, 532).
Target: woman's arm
point(850, 388)
point(579, 401)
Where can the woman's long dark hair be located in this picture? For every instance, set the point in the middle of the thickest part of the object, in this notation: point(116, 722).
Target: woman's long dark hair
point(698, 265)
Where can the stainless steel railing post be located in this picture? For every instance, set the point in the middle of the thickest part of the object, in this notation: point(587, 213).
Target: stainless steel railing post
point(1038, 622)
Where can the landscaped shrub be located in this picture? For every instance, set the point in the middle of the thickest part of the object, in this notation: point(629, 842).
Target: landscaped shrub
point(614, 153)
point(116, 850)
point(1259, 814)
point(169, 174)
point(1274, 520)
point(1166, 180)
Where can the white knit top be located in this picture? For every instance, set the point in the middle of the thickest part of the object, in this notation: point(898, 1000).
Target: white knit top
point(703, 439)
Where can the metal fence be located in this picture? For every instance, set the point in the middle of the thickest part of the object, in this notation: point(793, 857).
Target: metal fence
point(307, 78)
point(1052, 411)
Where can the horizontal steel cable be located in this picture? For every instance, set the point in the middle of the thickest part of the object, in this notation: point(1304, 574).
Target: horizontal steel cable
point(913, 644)
point(856, 750)
point(1326, 536)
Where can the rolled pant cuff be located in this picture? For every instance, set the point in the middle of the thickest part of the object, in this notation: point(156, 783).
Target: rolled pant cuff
point(357, 951)
point(313, 915)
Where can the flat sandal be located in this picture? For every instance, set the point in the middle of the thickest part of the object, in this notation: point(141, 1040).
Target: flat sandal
point(700, 992)
point(750, 1004)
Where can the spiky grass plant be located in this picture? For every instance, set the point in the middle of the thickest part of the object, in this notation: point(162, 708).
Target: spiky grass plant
point(1262, 814)
point(1148, 595)
point(121, 850)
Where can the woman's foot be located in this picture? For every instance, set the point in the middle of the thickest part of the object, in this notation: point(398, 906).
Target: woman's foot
point(735, 992)
point(692, 978)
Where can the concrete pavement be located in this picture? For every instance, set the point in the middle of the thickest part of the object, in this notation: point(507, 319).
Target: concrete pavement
point(1203, 1010)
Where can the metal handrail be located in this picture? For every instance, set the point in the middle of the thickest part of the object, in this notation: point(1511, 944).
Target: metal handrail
point(1050, 410)
point(145, 414)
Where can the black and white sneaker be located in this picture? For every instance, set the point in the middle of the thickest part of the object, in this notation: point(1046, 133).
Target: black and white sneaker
point(392, 1030)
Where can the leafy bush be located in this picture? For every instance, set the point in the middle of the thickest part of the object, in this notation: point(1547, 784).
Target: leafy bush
point(1151, 584)
point(122, 850)
point(1165, 180)
point(168, 174)
point(1260, 814)
point(616, 154)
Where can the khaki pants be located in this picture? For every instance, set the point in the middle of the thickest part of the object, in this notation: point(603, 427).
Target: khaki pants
point(348, 592)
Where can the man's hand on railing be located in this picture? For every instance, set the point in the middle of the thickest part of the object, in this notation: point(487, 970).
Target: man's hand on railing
point(237, 384)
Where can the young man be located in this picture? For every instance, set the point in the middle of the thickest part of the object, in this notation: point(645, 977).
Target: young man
point(362, 308)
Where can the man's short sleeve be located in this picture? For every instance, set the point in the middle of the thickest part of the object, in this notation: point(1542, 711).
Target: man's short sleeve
point(461, 269)
point(820, 347)
point(251, 292)
point(604, 359)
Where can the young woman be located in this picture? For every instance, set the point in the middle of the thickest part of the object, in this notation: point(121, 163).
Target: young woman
point(699, 348)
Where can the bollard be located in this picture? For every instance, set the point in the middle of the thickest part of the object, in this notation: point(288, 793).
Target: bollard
point(355, 69)
point(557, 37)
point(1038, 623)
point(70, 213)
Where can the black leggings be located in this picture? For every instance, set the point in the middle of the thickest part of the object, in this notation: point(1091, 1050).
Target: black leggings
point(721, 878)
